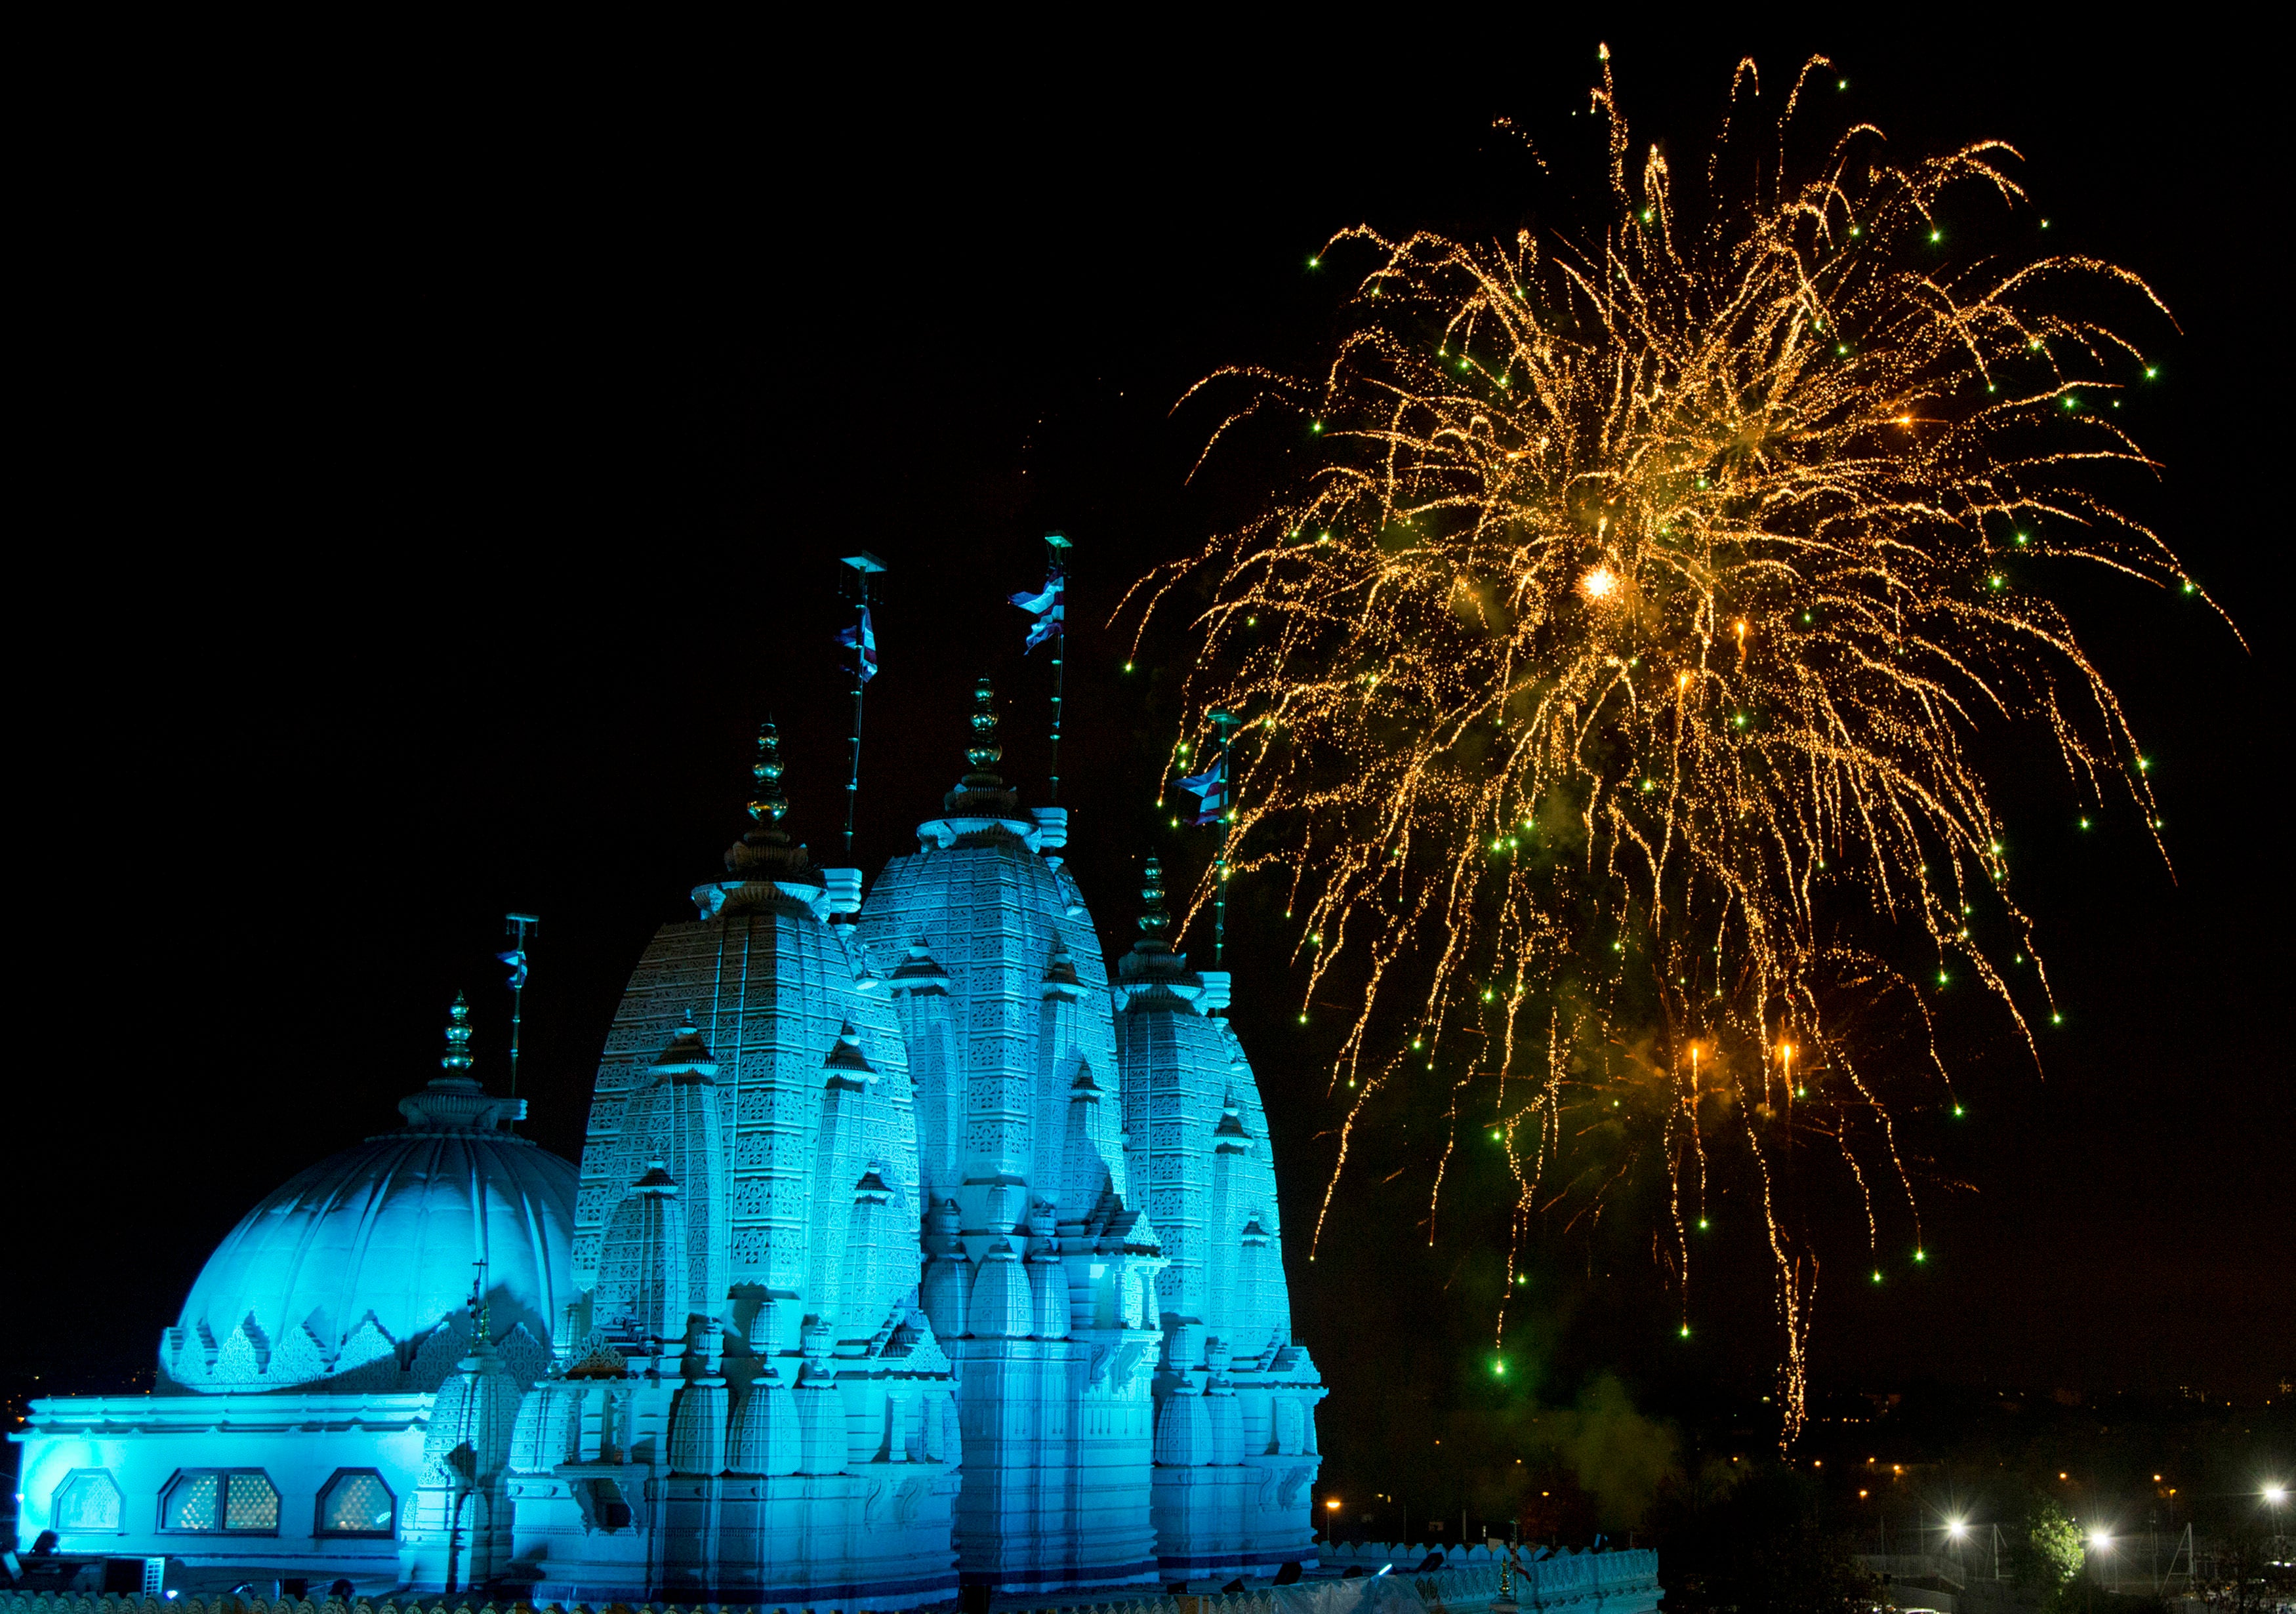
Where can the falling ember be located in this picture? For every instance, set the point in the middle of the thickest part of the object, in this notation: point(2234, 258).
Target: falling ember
point(1708, 386)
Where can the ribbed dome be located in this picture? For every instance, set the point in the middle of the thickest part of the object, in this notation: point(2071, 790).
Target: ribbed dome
point(336, 1275)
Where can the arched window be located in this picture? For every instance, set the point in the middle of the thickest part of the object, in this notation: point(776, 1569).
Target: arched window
point(87, 1503)
point(357, 1502)
point(225, 1501)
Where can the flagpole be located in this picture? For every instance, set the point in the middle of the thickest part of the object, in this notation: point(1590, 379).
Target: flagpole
point(1222, 724)
point(1058, 545)
point(515, 926)
point(862, 586)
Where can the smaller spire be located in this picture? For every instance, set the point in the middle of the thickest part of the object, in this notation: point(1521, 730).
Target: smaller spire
point(686, 1058)
point(848, 1067)
point(456, 1060)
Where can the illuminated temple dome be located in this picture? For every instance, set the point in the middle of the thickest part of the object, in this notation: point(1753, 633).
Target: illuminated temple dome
point(356, 1274)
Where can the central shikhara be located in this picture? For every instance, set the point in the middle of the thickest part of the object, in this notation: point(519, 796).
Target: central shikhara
point(905, 1241)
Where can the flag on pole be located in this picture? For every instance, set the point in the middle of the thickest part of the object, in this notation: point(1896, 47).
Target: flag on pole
point(516, 959)
point(1049, 608)
point(1211, 790)
point(862, 637)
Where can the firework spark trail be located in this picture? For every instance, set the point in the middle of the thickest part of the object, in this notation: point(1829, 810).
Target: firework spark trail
point(1622, 649)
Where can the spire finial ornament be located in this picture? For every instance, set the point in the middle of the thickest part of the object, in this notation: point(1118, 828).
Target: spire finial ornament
point(983, 790)
point(456, 1060)
point(984, 750)
point(768, 805)
point(765, 853)
point(1153, 920)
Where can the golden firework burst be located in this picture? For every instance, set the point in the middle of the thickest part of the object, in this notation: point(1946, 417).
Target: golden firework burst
point(1611, 673)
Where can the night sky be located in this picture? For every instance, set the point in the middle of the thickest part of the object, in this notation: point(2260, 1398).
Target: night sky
point(441, 473)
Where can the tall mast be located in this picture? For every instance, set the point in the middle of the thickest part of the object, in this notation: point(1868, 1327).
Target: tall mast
point(861, 589)
point(1224, 725)
point(1057, 549)
point(518, 927)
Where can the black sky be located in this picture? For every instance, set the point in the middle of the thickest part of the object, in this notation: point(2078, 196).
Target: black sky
point(439, 469)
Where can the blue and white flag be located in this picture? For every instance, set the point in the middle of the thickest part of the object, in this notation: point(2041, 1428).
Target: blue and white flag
point(863, 638)
point(516, 959)
point(1210, 788)
point(1049, 608)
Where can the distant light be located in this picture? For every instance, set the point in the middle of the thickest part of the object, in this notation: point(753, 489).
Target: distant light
point(1333, 1504)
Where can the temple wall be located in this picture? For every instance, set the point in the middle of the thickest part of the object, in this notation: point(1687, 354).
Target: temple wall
point(301, 1444)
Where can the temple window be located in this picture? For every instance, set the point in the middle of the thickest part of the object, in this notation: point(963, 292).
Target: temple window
point(225, 1501)
point(357, 1502)
point(87, 1502)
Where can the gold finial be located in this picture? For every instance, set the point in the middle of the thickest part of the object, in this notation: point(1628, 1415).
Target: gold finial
point(1153, 920)
point(456, 1060)
point(768, 805)
point(985, 751)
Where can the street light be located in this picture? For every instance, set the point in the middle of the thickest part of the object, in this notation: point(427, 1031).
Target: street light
point(1956, 1528)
